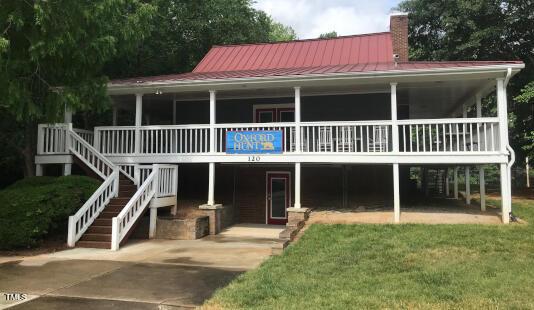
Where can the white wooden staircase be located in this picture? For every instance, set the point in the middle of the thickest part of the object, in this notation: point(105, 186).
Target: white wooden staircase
point(109, 216)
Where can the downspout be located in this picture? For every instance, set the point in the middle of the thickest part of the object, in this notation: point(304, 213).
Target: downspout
point(511, 161)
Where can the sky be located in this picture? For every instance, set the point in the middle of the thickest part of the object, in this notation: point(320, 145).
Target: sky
point(310, 18)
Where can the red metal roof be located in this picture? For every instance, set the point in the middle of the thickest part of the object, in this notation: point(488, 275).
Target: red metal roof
point(348, 50)
point(311, 70)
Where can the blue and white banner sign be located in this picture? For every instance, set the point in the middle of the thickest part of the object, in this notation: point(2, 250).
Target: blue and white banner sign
point(254, 142)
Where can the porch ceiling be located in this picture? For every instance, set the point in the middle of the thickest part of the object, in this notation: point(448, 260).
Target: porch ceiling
point(430, 99)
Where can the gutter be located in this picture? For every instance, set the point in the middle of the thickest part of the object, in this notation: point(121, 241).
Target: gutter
point(296, 79)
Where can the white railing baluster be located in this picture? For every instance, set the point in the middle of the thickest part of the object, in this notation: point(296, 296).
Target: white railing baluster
point(460, 133)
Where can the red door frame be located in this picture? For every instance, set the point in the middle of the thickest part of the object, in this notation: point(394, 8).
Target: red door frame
point(280, 110)
point(276, 112)
point(273, 112)
point(268, 201)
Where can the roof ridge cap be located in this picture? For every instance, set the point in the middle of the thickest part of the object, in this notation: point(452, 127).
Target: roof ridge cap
point(303, 40)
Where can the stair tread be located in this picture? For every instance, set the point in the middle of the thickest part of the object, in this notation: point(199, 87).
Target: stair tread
point(94, 244)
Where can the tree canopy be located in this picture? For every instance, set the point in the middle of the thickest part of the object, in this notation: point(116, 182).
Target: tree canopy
point(281, 32)
point(184, 31)
point(52, 54)
point(481, 30)
point(327, 35)
point(61, 53)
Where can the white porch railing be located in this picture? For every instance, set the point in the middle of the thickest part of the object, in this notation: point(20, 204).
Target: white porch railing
point(87, 135)
point(52, 139)
point(128, 170)
point(174, 139)
point(142, 172)
point(345, 137)
point(115, 140)
point(464, 135)
point(454, 135)
point(167, 181)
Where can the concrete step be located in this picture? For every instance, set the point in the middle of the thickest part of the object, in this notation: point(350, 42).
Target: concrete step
point(96, 237)
point(94, 244)
point(94, 229)
point(279, 246)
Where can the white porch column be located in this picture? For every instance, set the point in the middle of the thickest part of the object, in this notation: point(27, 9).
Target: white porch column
point(115, 113)
point(211, 185)
point(506, 206)
point(455, 187)
point(174, 111)
point(467, 185)
point(68, 115)
point(395, 143)
point(67, 168)
point(297, 120)
point(297, 186)
point(502, 114)
point(211, 181)
point(527, 172)
point(447, 189)
point(394, 126)
point(212, 120)
point(138, 121)
point(396, 193)
point(38, 170)
point(152, 223)
point(467, 172)
point(482, 182)
point(481, 179)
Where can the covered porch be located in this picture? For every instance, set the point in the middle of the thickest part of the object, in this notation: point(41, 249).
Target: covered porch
point(394, 118)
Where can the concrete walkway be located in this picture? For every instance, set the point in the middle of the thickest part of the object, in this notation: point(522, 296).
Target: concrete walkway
point(151, 274)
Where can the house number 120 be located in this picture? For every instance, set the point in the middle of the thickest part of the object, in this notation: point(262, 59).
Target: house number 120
point(253, 158)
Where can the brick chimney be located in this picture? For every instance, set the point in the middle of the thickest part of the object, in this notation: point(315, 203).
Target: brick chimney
point(398, 25)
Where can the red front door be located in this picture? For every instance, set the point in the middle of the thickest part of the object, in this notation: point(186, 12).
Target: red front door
point(278, 197)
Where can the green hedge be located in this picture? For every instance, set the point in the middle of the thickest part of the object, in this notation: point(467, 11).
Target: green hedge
point(35, 208)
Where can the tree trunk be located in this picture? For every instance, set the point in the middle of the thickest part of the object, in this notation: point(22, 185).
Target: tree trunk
point(29, 149)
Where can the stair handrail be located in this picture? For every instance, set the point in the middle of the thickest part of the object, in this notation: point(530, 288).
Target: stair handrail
point(89, 155)
point(122, 223)
point(91, 209)
point(109, 172)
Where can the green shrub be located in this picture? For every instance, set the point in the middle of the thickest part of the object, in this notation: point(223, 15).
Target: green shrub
point(35, 208)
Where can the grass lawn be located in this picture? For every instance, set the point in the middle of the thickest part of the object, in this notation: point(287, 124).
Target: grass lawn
point(396, 266)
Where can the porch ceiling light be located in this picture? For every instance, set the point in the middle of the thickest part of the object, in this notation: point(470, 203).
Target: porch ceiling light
point(158, 92)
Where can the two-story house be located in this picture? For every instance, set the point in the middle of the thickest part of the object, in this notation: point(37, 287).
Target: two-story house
point(260, 130)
